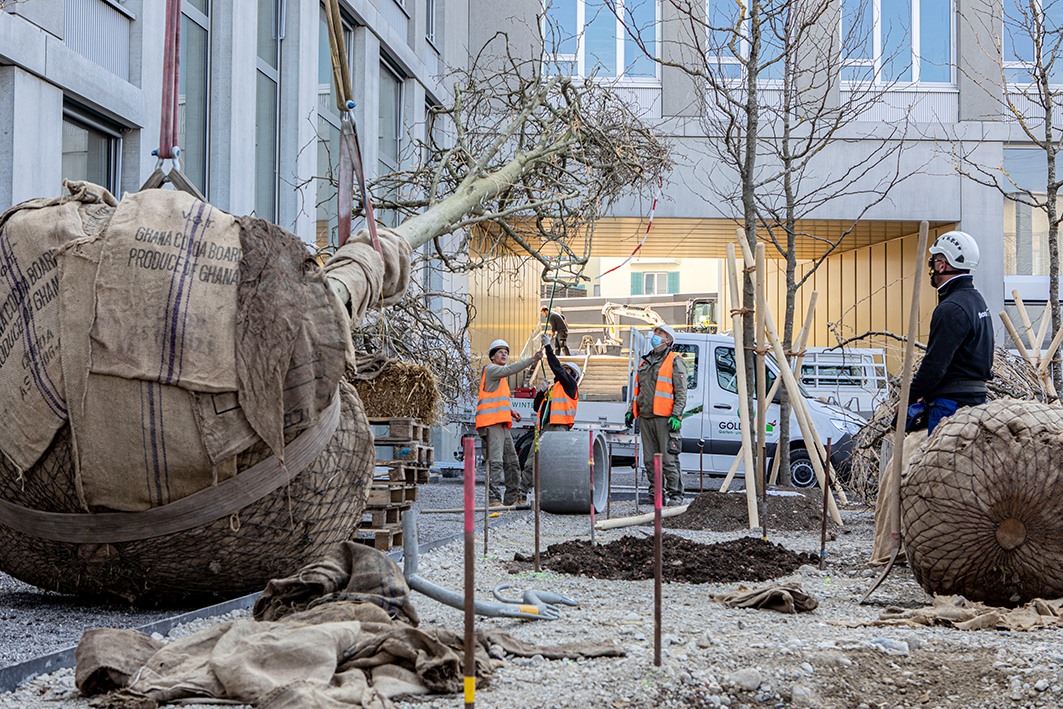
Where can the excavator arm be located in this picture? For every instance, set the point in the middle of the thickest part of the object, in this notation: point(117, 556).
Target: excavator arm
point(612, 312)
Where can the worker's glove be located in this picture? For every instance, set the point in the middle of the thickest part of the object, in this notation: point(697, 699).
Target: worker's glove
point(674, 423)
point(544, 341)
point(629, 418)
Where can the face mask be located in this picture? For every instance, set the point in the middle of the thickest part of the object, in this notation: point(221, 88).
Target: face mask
point(656, 341)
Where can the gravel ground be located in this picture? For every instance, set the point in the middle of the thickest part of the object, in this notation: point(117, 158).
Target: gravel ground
point(711, 656)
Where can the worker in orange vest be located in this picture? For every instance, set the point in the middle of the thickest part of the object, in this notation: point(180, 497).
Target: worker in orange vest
point(658, 402)
point(494, 419)
point(556, 406)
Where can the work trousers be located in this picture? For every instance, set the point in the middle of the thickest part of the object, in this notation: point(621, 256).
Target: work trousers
point(655, 436)
point(527, 475)
point(501, 456)
point(561, 344)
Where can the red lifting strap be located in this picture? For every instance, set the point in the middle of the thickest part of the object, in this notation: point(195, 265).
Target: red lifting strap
point(170, 77)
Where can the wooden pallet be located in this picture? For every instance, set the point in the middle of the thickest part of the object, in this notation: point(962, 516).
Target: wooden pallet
point(421, 453)
point(380, 539)
point(401, 471)
point(400, 430)
point(384, 517)
point(386, 493)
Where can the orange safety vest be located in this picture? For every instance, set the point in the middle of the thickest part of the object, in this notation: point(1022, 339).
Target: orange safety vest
point(493, 407)
point(562, 406)
point(664, 394)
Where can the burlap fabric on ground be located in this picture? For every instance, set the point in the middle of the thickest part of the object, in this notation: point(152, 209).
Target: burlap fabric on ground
point(346, 635)
point(180, 411)
point(982, 508)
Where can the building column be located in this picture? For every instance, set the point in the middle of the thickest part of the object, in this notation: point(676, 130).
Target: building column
point(297, 199)
point(29, 106)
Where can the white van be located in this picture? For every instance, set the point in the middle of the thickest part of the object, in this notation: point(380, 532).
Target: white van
point(713, 437)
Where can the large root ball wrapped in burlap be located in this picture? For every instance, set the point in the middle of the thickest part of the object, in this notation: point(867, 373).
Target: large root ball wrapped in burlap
point(176, 422)
point(982, 510)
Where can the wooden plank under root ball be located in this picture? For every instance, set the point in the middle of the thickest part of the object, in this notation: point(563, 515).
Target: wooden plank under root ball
point(384, 517)
point(380, 539)
point(399, 430)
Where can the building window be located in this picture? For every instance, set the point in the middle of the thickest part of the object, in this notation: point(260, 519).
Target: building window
point(906, 41)
point(1025, 225)
point(267, 109)
point(390, 138)
point(91, 149)
point(654, 282)
point(586, 38)
point(193, 110)
point(430, 20)
point(328, 134)
point(1028, 25)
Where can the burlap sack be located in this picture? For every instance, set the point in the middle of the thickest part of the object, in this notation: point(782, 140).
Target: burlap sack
point(166, 293)
point(371, 280)
point(31, 377)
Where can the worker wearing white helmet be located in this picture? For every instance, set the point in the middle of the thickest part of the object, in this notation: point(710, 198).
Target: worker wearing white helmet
point(959, 354)
point(658, 402)
point(556, 405)
point(494, 418)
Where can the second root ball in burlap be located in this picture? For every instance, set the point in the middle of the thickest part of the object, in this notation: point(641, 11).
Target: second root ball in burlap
point(982, 510)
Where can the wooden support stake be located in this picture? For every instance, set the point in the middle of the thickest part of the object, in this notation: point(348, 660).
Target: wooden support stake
point(807, 430)
point(761, 384)
point(743, 393)
point(633, 520)
point(1035, 348)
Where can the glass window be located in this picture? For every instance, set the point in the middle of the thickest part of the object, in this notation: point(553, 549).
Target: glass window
point(430, 20)
point(689, 353)
point(901, 41)
point(193, 106)
point(587, 37)
point(267, 111)
point(1026, 226)
point(90, 151)
point(1028, 23)
point(654, 282)
point(328, 135)
point(390, 117)
point(727, 374)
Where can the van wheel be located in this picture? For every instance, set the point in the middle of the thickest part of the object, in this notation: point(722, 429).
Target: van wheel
point(802, 474)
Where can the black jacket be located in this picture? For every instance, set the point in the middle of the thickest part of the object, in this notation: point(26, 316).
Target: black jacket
point(959, 355)
point(568, 382)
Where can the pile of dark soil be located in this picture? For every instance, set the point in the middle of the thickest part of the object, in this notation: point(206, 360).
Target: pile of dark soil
point(727, 512)
point(631, 559)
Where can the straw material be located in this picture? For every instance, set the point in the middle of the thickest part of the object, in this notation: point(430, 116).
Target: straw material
point(401, 389)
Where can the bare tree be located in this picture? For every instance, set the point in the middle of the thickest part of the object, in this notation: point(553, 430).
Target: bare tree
point(1020, 72)
point(521, 163)
point(529, 162)
point(769, 76)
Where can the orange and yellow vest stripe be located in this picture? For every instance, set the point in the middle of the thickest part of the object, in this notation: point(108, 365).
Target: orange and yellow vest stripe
point(493, 407)
point(664, 394)
point(562, 406)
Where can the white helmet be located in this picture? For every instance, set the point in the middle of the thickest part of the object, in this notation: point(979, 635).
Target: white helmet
point(495, 346)
point(574, 367)
point(666, 329)
point(959, 248)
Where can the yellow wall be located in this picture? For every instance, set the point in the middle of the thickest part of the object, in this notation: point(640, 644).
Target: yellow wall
point(506, 296)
